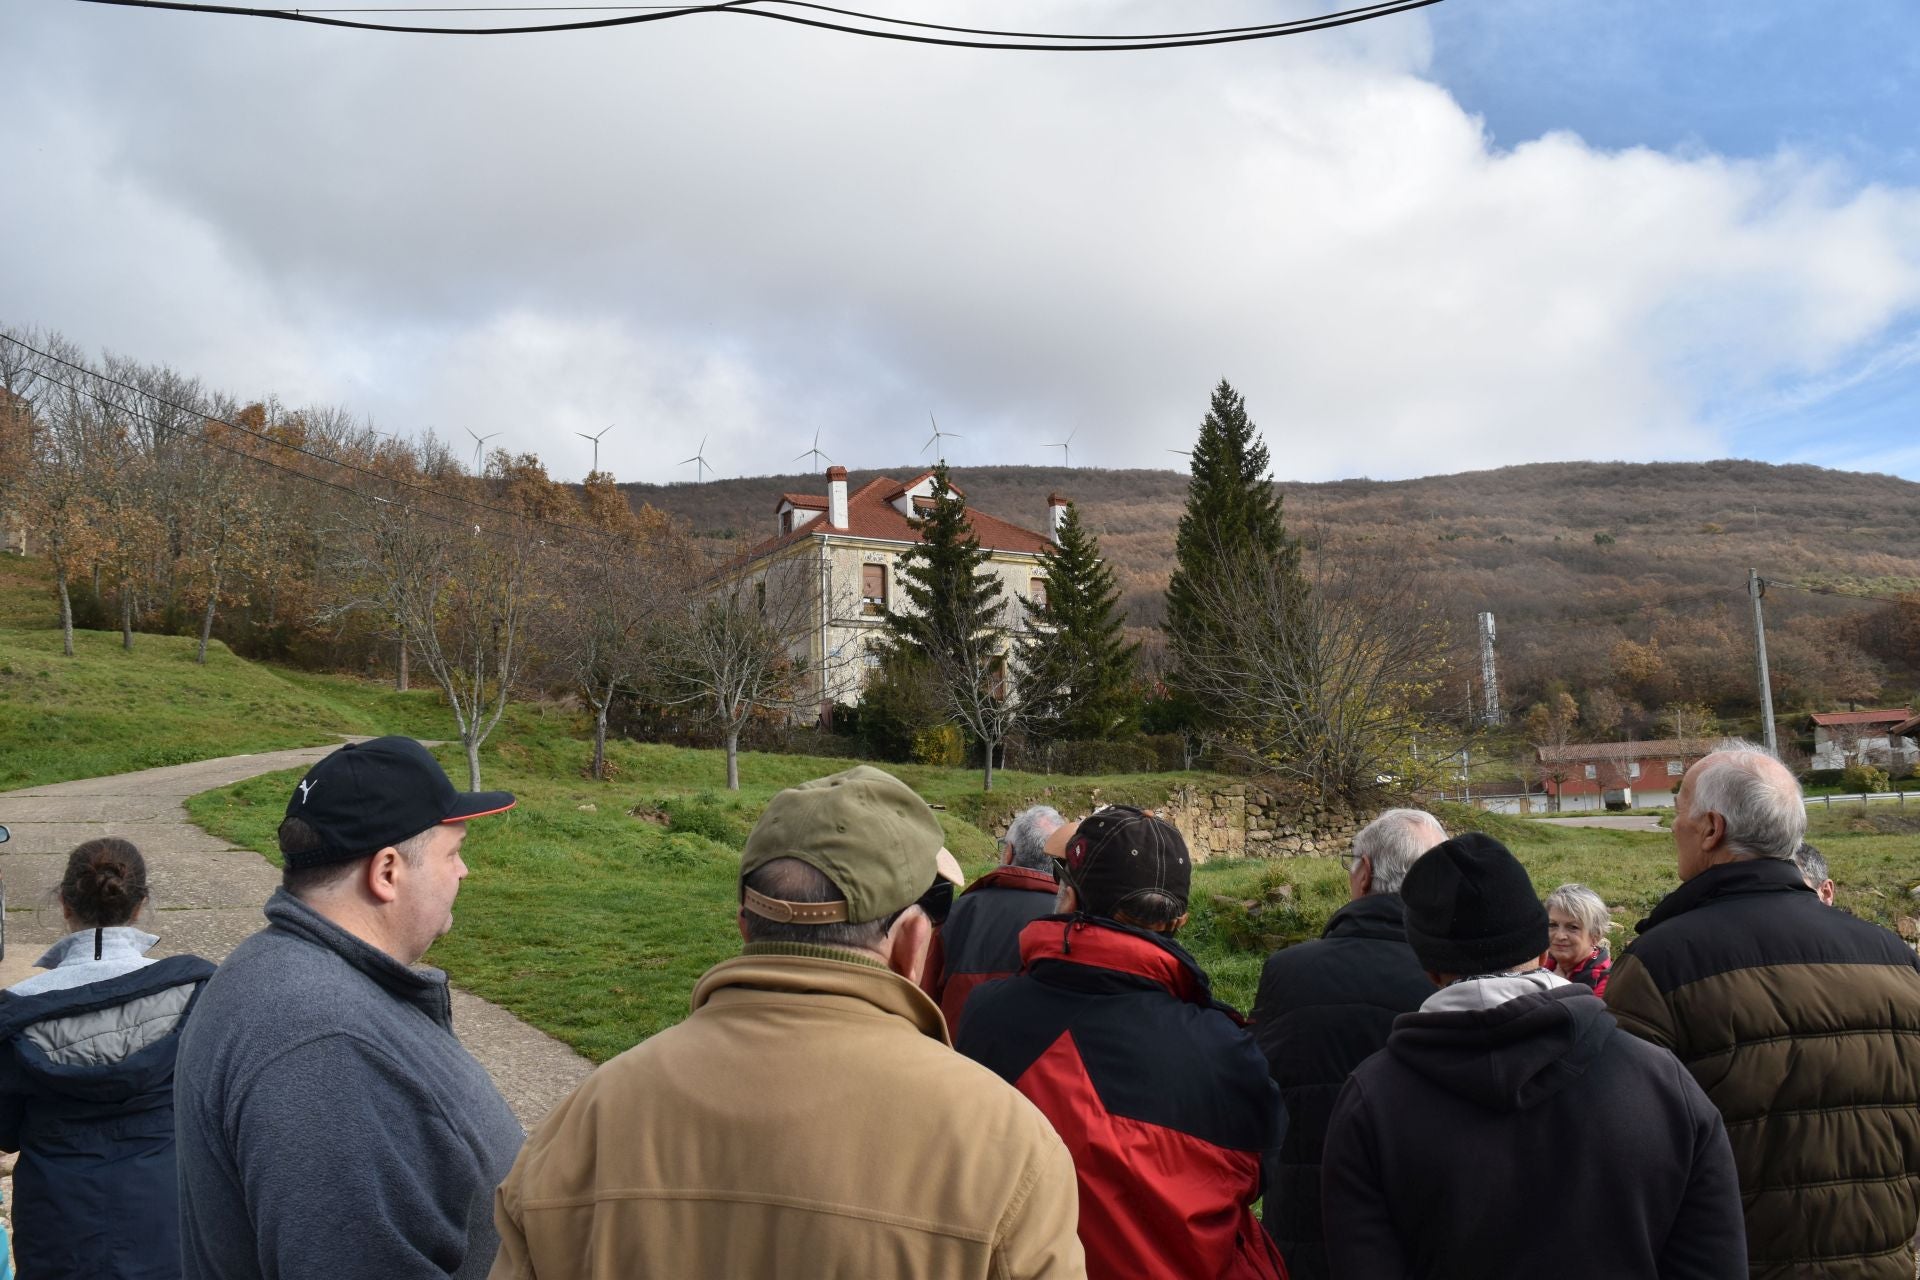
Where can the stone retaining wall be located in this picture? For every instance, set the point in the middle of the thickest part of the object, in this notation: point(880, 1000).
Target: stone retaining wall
point(1243, 820)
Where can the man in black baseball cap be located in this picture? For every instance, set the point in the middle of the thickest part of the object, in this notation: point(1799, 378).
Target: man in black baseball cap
point(320, 1056)
point(1158, 1090)
point(1511, 1086)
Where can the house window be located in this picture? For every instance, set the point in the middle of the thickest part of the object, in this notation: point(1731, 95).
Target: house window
point(760, 595)
point(997, 680)
point(1037, 592)
point(786, 522)
point(873, 589)
point(1592, 772)
point(1633, 768)
point(872, 659)
point(1675, 769)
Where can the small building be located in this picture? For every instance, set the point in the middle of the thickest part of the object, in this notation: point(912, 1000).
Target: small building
point(1587, 776)
point(845, 547)
point(1841, 738)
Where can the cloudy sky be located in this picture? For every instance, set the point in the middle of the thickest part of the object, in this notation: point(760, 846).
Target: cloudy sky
point(1486, 232)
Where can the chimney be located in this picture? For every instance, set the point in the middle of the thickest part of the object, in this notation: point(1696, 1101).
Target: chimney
point(1056, 515)
point(837, 497)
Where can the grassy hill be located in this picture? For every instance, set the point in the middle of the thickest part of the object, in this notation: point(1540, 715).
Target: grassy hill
point(1571, 557)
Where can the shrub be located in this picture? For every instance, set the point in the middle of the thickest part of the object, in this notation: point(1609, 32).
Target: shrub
point(943, 746)
point(1863, 778)
point(1096, 756)
point(1285, 909)
point(705, 814)
point(1822, 777)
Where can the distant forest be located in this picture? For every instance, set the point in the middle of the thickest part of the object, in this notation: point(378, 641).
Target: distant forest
point(1623, 584)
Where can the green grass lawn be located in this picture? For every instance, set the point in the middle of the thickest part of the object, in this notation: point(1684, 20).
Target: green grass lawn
point(594, 907)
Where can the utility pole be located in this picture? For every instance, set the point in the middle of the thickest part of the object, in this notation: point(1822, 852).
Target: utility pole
point(1757, 587)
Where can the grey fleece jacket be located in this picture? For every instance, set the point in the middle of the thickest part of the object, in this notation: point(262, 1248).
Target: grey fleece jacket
point(328, 1122)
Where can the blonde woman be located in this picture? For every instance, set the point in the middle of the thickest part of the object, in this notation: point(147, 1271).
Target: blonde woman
point(1577, 936)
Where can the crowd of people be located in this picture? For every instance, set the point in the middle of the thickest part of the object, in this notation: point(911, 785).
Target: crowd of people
point(1030, 1078)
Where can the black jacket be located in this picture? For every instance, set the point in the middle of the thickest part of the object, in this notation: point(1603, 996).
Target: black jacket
point(1533, 1138)
point(1803, 1025)
point(86, 1098)
point(1324, 1007)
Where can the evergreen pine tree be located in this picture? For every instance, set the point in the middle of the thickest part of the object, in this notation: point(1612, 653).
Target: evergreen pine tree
point(1232, 524)
point(1076, 665)
point(956, 601)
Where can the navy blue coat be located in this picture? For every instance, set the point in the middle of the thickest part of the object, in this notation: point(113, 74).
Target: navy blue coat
point(86, 1098)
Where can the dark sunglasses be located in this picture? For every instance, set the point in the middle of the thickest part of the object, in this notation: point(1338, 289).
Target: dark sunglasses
point(937, 901)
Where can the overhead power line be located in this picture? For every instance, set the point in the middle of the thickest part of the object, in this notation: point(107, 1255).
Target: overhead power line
point(399, 482)
point(883, 28)
point(1835, 591)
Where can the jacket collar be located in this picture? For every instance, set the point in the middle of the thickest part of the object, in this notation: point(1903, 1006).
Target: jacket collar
point(1728, 879)
point(1098, 943)
point(122, 942)
point(425, 988)
point(822, 971)
point(1378, 915)
point(1016, 878)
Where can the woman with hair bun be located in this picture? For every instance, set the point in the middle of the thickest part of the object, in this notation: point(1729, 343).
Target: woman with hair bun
point(86, 1083)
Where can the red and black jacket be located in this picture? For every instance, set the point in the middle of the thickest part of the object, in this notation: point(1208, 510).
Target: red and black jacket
point(1158, 1091)
point(980, 941)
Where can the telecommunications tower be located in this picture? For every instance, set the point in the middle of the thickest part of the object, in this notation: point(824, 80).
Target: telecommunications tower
point(1489, 679)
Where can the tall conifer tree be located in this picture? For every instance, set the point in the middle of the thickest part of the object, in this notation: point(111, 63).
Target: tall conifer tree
point(957, 602)
point(1076, 665)
point(1232, 523)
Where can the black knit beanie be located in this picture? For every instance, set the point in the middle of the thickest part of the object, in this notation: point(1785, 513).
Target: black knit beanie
point(1471, 908)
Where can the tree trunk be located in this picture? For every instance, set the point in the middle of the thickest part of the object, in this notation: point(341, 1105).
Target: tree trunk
point(473, 758)
point(126, 618)
point(733, 759)
point(600, 740)
point(206, 622)
point(986, 783)
point(66, 614)
point(400, 668)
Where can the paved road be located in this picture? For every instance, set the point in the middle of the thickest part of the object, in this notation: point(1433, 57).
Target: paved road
point(1614, 821)
point(207, 897)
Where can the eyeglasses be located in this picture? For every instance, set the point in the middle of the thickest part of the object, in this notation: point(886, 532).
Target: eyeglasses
point(937, 901)
point(1351, 862)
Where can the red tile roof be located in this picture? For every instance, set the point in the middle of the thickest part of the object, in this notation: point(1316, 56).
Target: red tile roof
point(811, 501)
point(1909, 728)
point(1830, 719)
point(871, 514)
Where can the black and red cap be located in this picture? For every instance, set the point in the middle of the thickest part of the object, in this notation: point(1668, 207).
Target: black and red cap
point(369, 795)
point(1123, 856)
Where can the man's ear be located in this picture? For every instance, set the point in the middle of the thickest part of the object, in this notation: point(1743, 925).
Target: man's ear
point(384, 870)
point(1363, 876)
point(907, 944)
point(1713, 831)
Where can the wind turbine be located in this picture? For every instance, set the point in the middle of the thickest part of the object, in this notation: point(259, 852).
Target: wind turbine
point(479, 443)
point(1185, 453)
point(937, 436)
point(1066, 451)
point(699, 459)
point(815, 452)
point(596, 443)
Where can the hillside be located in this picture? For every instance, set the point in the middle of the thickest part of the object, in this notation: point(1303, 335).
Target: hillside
point(1572, 558)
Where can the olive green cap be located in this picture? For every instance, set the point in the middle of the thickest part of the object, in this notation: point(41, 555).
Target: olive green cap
point(863, 829)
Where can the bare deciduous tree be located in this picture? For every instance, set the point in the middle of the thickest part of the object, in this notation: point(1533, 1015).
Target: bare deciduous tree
point(1322, 668)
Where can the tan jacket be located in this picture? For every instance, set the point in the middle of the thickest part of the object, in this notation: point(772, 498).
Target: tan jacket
point(808, 1120)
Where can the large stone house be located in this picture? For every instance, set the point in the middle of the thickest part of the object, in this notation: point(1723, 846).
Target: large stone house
point(837, 555)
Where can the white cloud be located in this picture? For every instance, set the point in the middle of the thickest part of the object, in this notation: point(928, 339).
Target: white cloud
point(717, 228)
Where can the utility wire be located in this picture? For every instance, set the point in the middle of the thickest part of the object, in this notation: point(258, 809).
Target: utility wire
point(1036, 42)
point(1834, 591)
point(264, 438)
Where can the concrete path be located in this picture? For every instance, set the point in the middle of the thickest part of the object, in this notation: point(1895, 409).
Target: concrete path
point(207, 896)
point(1613, 821)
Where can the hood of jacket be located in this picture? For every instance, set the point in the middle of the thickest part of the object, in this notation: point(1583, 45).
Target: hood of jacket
point(105, 1041)
point(1016, 878)
point(1506, 1054)
point(1094, 954)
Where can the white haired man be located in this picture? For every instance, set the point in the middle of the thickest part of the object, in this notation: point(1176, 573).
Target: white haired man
point(1324, 1006)
point(1799, 1022)
point(981, 939)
